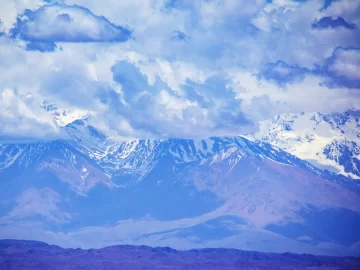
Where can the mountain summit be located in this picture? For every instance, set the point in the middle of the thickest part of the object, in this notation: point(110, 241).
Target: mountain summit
point(327, 141)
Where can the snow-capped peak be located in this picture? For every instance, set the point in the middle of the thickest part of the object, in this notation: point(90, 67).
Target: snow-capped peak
point(328, 141)
point(64, 116)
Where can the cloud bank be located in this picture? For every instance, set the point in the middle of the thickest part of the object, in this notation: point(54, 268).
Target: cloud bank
point(185, 69)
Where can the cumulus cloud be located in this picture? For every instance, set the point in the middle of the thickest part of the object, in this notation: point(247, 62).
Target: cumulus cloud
point(11, 9)
point(41, 46)
point(329, 22)
point(231, 32)
point(133, 82)
point(219, 66)
point(178, 36)
point(263, 98)
point(30, 77)
point(61, 23)
point(282, 73)
point(160, 111)
point(18, 119)
point(344, 67)
point(327, 3)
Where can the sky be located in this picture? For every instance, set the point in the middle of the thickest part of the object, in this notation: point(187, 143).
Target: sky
point(172, 68)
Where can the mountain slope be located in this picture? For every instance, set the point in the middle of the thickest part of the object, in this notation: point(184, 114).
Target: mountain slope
point(327, 141)
point(216, 192)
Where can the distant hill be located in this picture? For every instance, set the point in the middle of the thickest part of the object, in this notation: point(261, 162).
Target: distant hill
point(28, 255)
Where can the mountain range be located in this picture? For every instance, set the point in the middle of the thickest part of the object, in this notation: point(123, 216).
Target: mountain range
point(290, 187)
point(37, 255)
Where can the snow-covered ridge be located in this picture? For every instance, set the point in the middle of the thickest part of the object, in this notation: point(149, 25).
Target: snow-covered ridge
point(64, 116)
point(328, 141)
point(137, 158)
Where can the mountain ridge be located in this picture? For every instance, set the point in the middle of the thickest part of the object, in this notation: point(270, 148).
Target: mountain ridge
point(328, 141)
point(215, 192)
point(32, 255)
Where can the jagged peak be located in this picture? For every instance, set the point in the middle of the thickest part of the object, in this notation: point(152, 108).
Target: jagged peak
point(306, 135)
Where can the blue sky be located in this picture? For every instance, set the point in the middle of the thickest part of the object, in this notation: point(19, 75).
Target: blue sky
point(161, 68)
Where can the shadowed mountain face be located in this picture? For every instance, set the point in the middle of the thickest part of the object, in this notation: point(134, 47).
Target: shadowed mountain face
point(90, 191)
point(36, 255)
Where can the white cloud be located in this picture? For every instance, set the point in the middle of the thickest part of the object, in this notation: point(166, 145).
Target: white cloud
point(221, 32)
point(19, 118)
point(346, 64)
point(53, 23)
point(347, 9)
point(262, 22)
point(263, 99)
point(10, 9)
point(232, 40)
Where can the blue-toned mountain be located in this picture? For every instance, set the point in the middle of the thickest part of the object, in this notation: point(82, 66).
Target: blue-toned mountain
point(91, 190)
